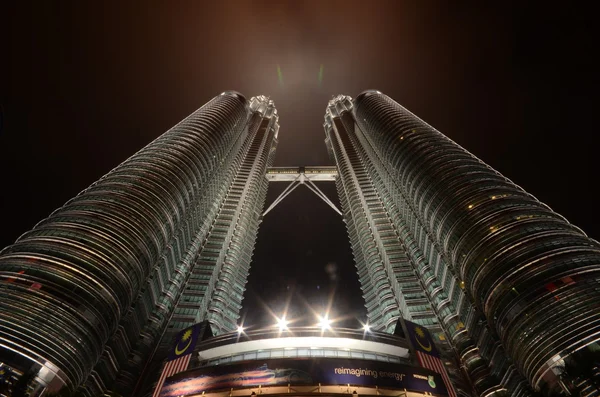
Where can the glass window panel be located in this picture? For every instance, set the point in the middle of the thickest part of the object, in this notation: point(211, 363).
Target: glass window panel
point(290, 353)
point(276, 353)
point(303, 353)
point(330, 353)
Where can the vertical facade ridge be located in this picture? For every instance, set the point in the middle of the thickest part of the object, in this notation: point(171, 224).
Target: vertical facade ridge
point(399, 271)
point(88, 293)
point(438, 282)
point(499, 268)
point(215, 283)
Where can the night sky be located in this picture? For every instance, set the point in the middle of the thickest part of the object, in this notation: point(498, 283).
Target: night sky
point(85, 85)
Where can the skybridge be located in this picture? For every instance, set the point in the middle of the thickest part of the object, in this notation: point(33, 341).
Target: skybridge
point(306, 176)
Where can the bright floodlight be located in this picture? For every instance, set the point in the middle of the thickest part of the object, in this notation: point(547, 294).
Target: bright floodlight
point(240, 329)
point(324, 323)
point(366, 328)
point(282, 323)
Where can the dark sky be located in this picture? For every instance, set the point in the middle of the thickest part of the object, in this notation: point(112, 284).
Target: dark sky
point(83, 85)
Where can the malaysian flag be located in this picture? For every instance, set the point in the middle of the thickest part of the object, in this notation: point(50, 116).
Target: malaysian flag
point(180, 355)
point(426, 352)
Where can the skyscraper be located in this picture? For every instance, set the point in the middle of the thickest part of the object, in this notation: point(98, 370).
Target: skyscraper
point(94, 295)
point(96, 291)
point(441, 238)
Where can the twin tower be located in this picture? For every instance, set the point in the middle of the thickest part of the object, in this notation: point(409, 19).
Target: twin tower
point(93, 295)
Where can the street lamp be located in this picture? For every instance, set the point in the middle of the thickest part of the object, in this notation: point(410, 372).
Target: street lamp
point(324, 323)
point(282, 323)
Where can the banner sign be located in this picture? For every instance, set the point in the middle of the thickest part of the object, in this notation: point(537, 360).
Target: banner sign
point(310, 371)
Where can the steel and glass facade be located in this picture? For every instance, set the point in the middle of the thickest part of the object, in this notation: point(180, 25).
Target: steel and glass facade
point(162, 241)
point(93, 295)
point(509, 284)
point(387, 270)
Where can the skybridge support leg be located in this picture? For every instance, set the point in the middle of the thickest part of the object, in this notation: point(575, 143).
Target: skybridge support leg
point(311, 185)
point(290, 188)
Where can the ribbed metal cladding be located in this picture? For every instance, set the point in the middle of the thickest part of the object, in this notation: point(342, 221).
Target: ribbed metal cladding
point(66, 284)
point(241, 210)
point(395, 262)
point(533, 275)
point(214, 272)
point(377, 252)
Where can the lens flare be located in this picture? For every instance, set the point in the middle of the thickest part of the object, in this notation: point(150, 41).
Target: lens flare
point(324, 323)
point(280, 75)
point(321, 75)
point(282, 323)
